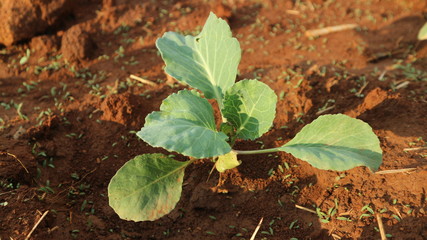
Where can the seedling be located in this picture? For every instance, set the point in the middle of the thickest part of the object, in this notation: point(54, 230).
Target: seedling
point(26, 57)
point(149, 186)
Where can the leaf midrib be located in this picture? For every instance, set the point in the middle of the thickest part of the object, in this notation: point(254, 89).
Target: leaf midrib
point(243, 125)
point(208, 71)
point(159, 179)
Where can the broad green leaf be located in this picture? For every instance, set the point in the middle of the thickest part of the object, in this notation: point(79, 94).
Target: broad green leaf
point(422, 34)
point(250, 106)
point(185, 124)
point(207, 62)
point(336, 142)
point(146, 187)
point(227, 161)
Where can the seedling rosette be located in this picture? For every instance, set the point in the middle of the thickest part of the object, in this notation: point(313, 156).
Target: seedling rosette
point(149, 186)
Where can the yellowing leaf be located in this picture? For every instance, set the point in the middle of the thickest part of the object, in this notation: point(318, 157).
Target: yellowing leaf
point(227, 161)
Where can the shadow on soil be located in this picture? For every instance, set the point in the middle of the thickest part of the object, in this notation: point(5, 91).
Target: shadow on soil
point(394, 40)
point(407, 228)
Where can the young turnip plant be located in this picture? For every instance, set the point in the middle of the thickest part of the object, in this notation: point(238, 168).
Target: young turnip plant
point(149, 186)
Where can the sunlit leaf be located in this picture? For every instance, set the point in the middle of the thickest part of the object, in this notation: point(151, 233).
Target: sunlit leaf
point(227, 161)
point(250, 106)
point(336, 142)
point(207, 61)
point(146, 187)
point(185, 124)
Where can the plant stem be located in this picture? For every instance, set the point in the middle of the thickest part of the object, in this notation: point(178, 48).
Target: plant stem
point(243, 152)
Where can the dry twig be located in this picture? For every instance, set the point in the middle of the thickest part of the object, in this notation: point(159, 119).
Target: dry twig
point(362, 88)
point(402, 85)
point(327, 30)
point(335, 236)
point(396, 171)
point(381, 227)
point(305, 209)
point(381, 77)
point(35, 225)
point(17, 159)
point(257, 229)
point(50, 230)
point(325, 110)
point(142, 80)
point(398, 212)
point(415, 149)
point(292, 12)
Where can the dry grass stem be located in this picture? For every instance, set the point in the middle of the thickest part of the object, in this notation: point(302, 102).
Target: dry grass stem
point(396, 171)
point(305, 209)
point(335, 236)
point(50, 230)
point(381, 227)
point(381, 77)
point(402, 85)
point(398, 213)
point(35, 225)
point(257, 229)
point(142, 80)
point(327, 30)
point(3, 193)
point(362, 88)
point(346, 213)
point(415, 149)
point(17, 159)
point(293, 12)
point(325, 110)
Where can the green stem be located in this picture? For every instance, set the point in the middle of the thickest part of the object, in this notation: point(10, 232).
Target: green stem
point(221, 106)
point(243, 152)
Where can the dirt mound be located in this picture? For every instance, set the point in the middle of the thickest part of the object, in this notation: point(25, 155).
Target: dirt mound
point(125, 109)
point(76, 44)
point(22, 19)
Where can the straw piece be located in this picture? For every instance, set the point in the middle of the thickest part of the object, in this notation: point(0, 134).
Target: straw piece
point(35, 225)
point(257, 229)
point(398, 212)
point(17, 159)
point(362, 88)
point(142, 80)
point(327, 30)
point(396, 171)
point(325, 110)
point(415, 149)
point(402, 85)
point(293, 12)
point(335, 236)
point(305, 209)
point(381, 227)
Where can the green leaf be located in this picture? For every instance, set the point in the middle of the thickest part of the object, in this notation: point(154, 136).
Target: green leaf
point(146, 187)
point(207, 62)
point(25, 58)
point(250, 106)
point(185, 124)
point(227, 161)
point(422, 34)
point(336, 142)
